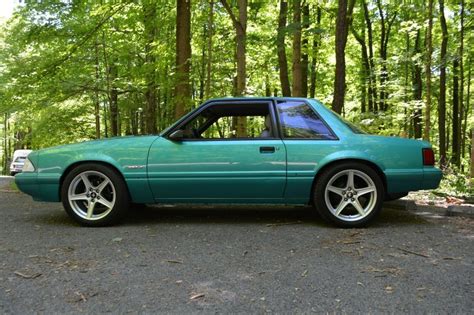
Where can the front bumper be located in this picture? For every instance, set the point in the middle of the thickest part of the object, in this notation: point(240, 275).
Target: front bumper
point(40, 188)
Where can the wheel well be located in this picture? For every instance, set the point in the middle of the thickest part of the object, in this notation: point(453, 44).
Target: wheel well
point(74, 165)
point(365, 162)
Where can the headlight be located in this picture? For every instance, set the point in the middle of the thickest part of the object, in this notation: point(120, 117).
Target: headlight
point(28, 166)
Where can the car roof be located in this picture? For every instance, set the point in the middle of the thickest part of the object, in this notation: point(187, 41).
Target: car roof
point(257, 98)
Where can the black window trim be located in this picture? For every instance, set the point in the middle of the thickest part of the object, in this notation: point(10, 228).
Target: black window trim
point(280, 127)
point(276, 132)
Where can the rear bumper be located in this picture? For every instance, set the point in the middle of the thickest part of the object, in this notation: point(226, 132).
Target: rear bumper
point(431, 178)
point(405, 180)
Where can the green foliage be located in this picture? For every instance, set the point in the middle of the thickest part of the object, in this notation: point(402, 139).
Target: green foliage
point(456, 183)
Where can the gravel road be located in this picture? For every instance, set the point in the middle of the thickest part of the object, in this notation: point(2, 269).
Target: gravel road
point(231, 260)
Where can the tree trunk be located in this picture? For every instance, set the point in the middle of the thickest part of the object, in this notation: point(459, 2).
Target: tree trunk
point(385, 27)
point(96, 93)
point(365, 70)
point(210, 28)
point(202, 71)
point(461, 78)
point(314, 59)
point(472, 156)
point(429, 52)
point(417, 85)
point(455, 143)
point(304, 54)
point(442, 87)
point(6, 151)
point(281, 51)
point(113, 99)
point(407, 130)
point(240, 25)
point(183, 56)
point(150, 33)
point(297, 71)
point(373, 77)
point(466, 111)
point(343, 21)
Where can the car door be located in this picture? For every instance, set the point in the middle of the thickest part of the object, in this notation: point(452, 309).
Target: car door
point(243, 170)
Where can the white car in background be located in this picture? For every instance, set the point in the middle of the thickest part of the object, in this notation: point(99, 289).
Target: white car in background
point(19, 157)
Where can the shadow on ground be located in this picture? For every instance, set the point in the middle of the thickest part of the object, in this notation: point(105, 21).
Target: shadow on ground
point(271, 216)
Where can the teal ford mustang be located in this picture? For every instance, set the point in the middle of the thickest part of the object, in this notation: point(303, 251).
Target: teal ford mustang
point(236, 150)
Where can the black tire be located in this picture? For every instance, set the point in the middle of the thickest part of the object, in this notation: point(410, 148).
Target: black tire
point(350, 220)
point(115, 193)
point(13, 173)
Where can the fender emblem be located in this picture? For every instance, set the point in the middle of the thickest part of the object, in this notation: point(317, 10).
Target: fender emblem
point(134, 166)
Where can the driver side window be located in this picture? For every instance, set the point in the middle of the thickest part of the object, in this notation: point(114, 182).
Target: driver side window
point(230, 121)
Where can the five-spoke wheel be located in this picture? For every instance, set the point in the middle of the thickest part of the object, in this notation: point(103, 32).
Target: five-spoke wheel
point(349, 194)
point(94, 195)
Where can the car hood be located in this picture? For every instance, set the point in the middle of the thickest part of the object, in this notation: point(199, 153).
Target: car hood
point(129, 141)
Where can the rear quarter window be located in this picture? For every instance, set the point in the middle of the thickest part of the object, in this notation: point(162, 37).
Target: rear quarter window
point(298, 120)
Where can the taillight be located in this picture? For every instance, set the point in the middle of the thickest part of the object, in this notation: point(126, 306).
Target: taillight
point(428, 157)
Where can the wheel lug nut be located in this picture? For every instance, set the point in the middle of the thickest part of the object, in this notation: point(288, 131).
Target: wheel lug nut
point(352, 199)
point(345, 199)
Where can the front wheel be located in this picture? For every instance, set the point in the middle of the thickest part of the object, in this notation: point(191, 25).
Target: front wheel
point(349, 194)
point(94, 195)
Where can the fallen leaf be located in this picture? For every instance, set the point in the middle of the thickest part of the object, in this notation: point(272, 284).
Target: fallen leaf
point(284, 223)
point(25, 276)
point(174, 261)
point(413, 253)
point(197, 296)
point(389, 289)
point(117, 239)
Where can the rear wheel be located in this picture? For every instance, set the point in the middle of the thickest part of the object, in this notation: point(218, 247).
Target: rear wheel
point(349, 194)
point(94, 195)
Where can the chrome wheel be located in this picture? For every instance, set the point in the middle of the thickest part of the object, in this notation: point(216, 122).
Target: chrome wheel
point(350, 195)
point(91, 195)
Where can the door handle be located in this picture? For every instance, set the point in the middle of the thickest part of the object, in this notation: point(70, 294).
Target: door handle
point(267, 149)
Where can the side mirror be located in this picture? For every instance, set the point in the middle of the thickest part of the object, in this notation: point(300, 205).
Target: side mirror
point(177, 135)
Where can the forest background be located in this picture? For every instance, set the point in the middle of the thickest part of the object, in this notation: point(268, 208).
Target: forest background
point(78, 70)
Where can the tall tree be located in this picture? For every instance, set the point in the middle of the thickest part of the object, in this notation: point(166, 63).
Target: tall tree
point(150, 32)
point(315, 50)
point(442, 86)
point(385, 28)
point(429, 52)
point(210, 28)
point(373, 95)
point(417, 85)
point(304, 54)
point(456, 132)
point(296, 69)
point(461, 78)
point(281, 50)
point(365, 69)
point(343, 20)
point(240, 26)
point(183, 56)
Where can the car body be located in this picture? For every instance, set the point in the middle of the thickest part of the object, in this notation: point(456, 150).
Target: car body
point(202, 158)
point(18, 160)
